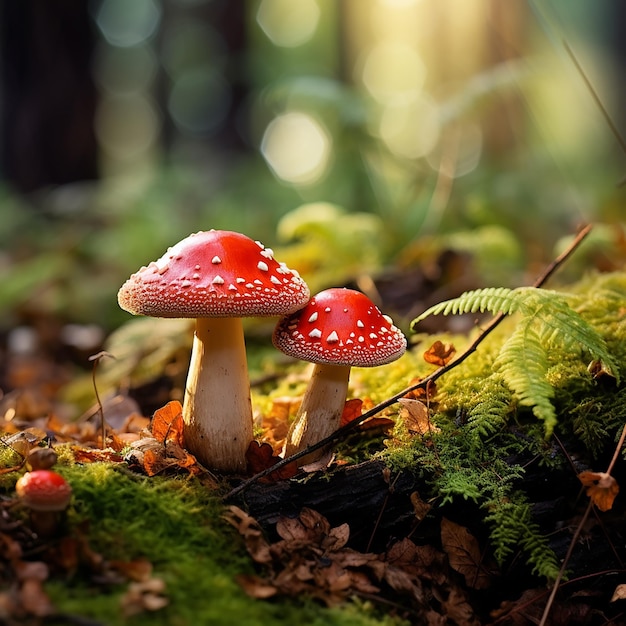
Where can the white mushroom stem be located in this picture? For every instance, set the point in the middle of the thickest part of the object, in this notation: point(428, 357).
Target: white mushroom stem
point(319, 414)
point(217, 411)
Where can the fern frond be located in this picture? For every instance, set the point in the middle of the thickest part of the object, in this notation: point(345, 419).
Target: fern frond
point(523, 363)
point(491, 299)
point(513, 528)
point(489, 413)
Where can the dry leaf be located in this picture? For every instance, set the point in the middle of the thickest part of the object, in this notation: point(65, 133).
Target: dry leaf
point(352, 409)
point(167, 423)
point(439, 353)
point(416, 417)
point(619, 593)
point(143, 596)
point(464, 554)
point(95, 455)
point(420, 507)
point(256, 587)
point(260, 456)
point(602, 488)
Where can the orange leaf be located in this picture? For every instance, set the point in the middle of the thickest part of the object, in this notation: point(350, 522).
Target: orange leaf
point(602, 488)
point(351, 410)
point(167, 423)
point(439, 353)
point(260, 456)
point(93, 455)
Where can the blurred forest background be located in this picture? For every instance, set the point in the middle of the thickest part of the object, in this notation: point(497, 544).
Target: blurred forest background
point(361, 139)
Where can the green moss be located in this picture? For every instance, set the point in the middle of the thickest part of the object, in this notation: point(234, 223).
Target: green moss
point(176, 523)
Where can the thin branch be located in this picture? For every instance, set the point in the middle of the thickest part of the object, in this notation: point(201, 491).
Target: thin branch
point(342, 432)
point(574, 541)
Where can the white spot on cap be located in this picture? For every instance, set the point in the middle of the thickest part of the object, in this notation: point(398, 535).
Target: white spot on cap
point(240, 280)
point(373, 336)
point(258, 243)
point(275, 280)
point(316, 333)
point(360, 324)
point(232, 287)
point(262, 266)
point(185, 283)
point(268, 253)
point(218, 280)
point(327, 309)
point(333, 337)
point(216, 260)
point(313, 317)
point(388, 319)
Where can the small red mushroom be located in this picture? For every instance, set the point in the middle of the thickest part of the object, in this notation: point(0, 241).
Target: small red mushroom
point(47, 494)
point(336, 330)
point(217, 277)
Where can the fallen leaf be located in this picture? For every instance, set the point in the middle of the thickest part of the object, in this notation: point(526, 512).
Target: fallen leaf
point(439, 353)
point(420, 507)
point(249, 529)
point(255, 586)
point(601, 487)
point(95, 455)
point(143, 596)
point(421, 393)
point(416, 417)
point(464, 554)
point(458, 609)
point(352, 409)
point(619, 593)
point(167, 423)
point(260, 456)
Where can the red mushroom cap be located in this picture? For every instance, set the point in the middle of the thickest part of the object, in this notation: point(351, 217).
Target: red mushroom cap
point(341, 327)
point(43, 490)
point(214, 273)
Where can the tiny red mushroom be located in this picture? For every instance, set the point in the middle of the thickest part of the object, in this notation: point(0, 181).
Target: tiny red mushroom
point(336, 330)
point(47, 494)
point(216, 277)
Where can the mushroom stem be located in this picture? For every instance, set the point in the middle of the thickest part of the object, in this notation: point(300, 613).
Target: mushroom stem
point(319, 414)
point(217, 411)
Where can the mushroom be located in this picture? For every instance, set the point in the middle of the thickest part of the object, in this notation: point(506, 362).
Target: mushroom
point(216, 277)
point(47, 494)
point(338, 329)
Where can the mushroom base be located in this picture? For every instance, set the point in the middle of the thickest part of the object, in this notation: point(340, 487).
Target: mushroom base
point(217, 411)
point(320, 412)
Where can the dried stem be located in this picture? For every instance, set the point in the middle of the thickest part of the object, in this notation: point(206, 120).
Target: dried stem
point(96, 358)
point(342, 432)
point(574, 541)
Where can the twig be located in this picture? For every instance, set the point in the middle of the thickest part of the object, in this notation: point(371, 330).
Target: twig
point(96, 358)
point(342, 432)
point(572, 545)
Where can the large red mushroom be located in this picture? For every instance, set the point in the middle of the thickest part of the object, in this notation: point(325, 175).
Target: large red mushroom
point(216, 277)
point(336, 330)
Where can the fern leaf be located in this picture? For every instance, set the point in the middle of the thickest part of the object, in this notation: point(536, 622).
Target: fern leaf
point(523, 362)
point(492, 299)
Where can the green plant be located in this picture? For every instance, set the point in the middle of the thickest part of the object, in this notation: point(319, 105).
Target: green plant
point(547, 324)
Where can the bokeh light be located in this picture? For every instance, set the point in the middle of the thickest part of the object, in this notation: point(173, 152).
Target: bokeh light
point(297, 148)
point(410, 129)
point(287, 23)
point(392, 71)
point(125, 23)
